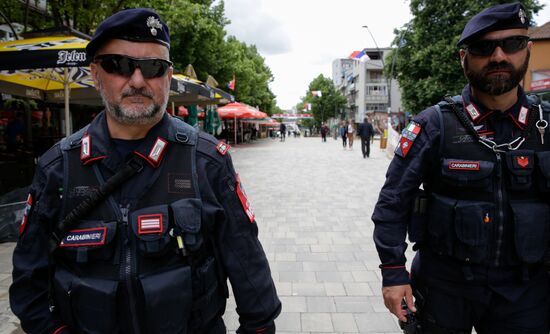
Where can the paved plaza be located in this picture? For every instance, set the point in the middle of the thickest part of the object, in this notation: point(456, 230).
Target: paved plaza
point(313, 203)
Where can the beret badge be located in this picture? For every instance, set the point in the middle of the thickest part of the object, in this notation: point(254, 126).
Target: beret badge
point(154, 24)
point(522, 16)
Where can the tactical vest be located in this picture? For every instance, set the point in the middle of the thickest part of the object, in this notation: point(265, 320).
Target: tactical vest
point(171, 285)
point(488, 207)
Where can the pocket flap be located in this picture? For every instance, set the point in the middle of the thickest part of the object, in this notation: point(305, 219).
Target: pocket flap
point(544, 163)
point(464, 171)
point(520, 162)
point(187, 214)
point(150, 223)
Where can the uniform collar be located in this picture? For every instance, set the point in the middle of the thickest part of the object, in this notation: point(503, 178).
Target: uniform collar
point(97, 144)
point(477, 112)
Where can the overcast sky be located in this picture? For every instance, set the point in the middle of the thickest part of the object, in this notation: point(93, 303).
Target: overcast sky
point(299, 39)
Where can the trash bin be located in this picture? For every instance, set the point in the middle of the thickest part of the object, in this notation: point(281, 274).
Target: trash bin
point(383, 142)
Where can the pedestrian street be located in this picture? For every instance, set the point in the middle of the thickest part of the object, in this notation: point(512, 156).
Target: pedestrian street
point(313, 203)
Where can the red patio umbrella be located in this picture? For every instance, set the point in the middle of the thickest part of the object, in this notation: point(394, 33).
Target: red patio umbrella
point(239, 110)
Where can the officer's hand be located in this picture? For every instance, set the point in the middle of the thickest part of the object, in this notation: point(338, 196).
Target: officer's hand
point(392, 299)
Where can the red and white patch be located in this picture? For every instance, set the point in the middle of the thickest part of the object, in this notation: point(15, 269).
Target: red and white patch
point(148, 224)
point(26, 215)
point(464, 165)
point(522, 116)
point(85, 237)
point(472, 111)
point(522, 161)
point(157, 151)
point(223, 147)
point(86, 148)
point(244, 201)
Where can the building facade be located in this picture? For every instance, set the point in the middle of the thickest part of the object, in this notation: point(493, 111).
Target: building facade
point(367, 90)
point(537, 78)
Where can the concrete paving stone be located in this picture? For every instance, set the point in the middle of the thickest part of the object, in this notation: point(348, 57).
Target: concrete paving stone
point(341, 256)
point(289, 321)
point(365, 276)
point(344, 323)
point(317, 322)
point(351, 266)
point(334, 276)
point(308, 289)
point(358, 289)
point(353, 304)
point(377, 303)
point(320, 304)
point(283, 288)
point(321, 248)
point(319, 266)
point(375, 322)
point(294, 303)
point(297, 277)
point(376, 288)
point(283, 266)
point(284, 256)
point(323, 257)
point(335, 289)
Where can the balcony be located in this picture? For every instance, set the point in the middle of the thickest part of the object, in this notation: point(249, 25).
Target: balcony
point(376, 98)
point(376, 81)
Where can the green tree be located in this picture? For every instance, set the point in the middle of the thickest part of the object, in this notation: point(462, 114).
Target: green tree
point(427, 64)
point(326, 106)
point(198, 37)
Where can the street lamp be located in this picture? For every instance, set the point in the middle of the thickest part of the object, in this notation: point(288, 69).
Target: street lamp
point(388, 80)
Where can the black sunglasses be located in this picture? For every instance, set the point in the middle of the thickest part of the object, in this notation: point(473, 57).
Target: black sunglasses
point(509, 45)
point(126, 65)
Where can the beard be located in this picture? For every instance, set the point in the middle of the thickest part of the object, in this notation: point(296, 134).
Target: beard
point(496, 84)
point(136, 115)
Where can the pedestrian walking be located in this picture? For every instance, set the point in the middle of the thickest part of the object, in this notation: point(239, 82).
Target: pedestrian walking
point(366, 132)
point(343, 132)
point(482, 223)
point(350, 133)
point(324, 132)
point(282, 131)
point(134, 223)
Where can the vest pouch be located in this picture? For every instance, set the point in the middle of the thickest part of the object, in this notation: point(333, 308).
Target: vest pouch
point(543, 162)
point(467, 173)
point(532, 229)
point(90, 241)
point(440, 224)
point(208, 302)
point(520, 165)
point(473, 219)
point(150, 225)
point(186, 214)
point(87, 305)
point(167, 299)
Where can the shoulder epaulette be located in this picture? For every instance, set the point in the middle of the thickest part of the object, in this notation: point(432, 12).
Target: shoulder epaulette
point(73, 140)
point(210, 146)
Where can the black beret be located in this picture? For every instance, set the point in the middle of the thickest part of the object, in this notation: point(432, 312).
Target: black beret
point(136, 25)
point(499, 17)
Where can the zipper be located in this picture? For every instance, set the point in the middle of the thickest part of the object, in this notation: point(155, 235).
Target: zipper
point(500, 208)
point(126, 269)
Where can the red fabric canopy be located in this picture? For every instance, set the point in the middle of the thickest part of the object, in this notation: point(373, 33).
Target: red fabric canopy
point(239, 110)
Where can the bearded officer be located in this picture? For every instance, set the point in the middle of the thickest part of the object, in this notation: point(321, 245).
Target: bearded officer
point(154, 254)
point(482, 225)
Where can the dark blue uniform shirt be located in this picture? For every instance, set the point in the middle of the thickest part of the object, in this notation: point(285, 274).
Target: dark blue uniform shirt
point(242, 255)
point(406, 175)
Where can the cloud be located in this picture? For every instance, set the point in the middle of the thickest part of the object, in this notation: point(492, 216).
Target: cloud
point(250, 24)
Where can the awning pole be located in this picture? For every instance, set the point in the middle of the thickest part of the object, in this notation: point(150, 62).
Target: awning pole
point(235, 129)
point(67, 114)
